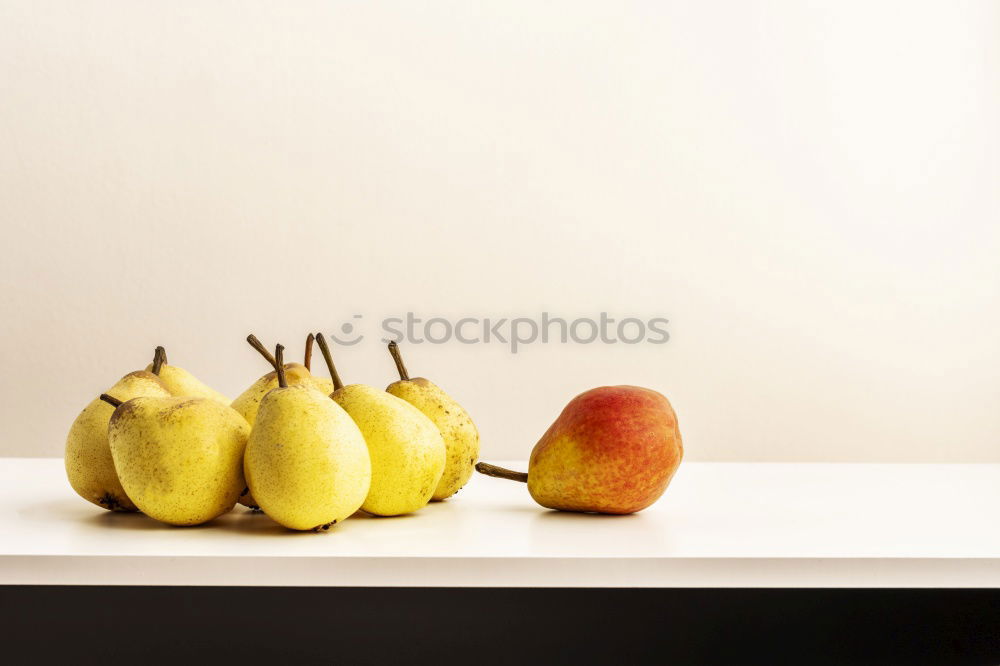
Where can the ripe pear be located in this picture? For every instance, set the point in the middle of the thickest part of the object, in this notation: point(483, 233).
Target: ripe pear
point(406, 448)
point(179, 459)
point(461, 438)
point(89, 466)
point(179, 381)
point(306, 462)
point(248, 402)
point(613, 449)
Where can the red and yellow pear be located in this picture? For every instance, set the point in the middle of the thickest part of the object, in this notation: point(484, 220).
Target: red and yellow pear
point(613, 449)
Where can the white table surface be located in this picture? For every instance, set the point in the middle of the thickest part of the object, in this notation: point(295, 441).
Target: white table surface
point(718, 525)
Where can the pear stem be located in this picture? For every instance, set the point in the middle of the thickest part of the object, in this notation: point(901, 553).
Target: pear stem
point(259, 346)
point(501, 473)
point(308, 357)
point(111, 400)
point(279, 365)
point(159, 358)
point(398, 358)
point(325, 349)
point(276, 363)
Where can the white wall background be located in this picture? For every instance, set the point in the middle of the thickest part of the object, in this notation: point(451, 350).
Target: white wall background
point(808, 190)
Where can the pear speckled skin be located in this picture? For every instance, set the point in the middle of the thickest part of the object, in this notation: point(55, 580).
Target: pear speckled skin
point(248, 402)
point(180, 460)
point(461, 437)
point(613, 450)
point(89, 466)
point(182, 383)
point(306, 462)
point(406, 449)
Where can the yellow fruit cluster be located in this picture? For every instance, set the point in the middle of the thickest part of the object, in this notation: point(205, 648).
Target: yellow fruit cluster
point(308, 452)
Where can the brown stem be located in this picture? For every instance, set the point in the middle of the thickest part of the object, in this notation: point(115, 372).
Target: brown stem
point(111, 400)
point(259, 346)
point(398, 358)
point(501, 473)
point(279, 365)
point(307, 359)
point(325, 349)
point(159, 358)
point(275, 361)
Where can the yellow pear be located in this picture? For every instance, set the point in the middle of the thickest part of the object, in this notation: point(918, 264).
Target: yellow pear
point(179, 381)
point(179, 459)
point(89, 466)
point(248, 403)
point(306, 462)
point(461, 438)
point(406, 449)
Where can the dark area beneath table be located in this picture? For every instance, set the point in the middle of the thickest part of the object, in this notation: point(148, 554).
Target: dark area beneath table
point(240, 625)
